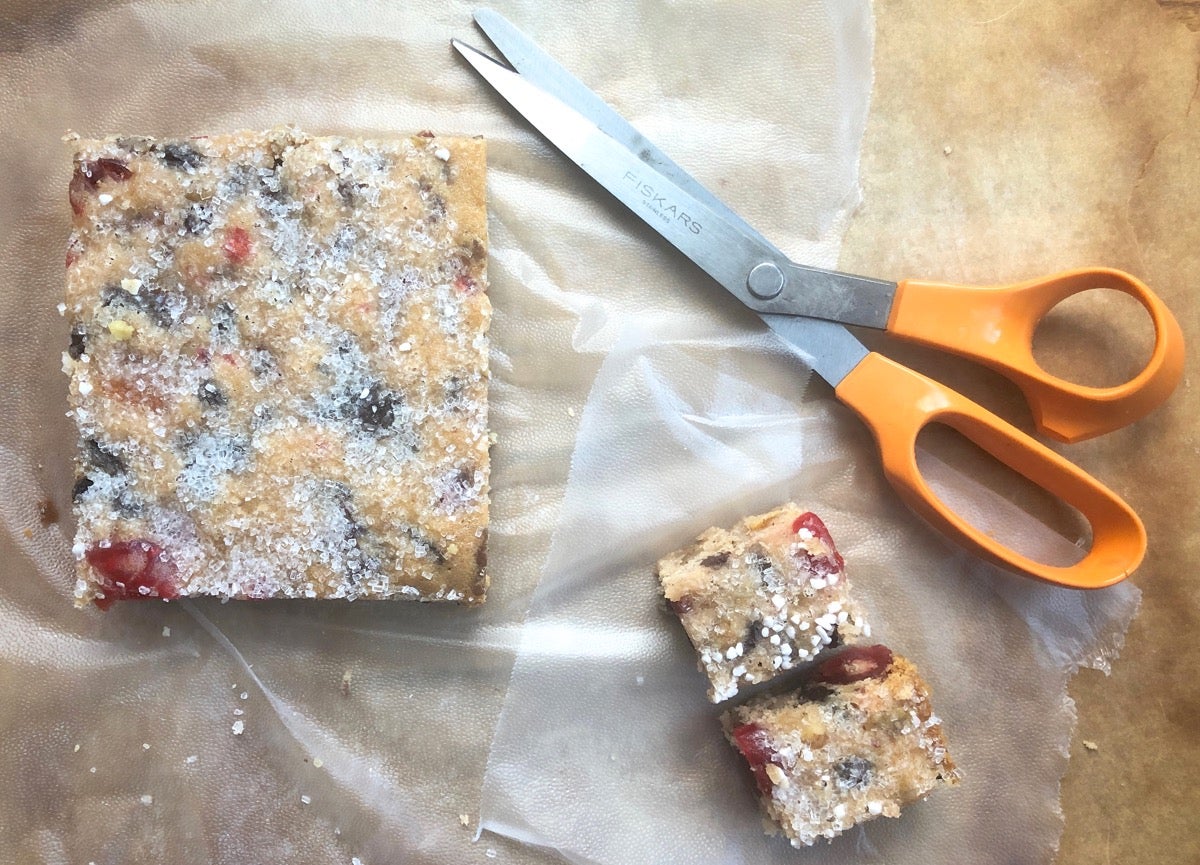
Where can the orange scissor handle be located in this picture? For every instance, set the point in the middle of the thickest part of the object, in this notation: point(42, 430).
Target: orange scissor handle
point(995, 326)
point(897, 403)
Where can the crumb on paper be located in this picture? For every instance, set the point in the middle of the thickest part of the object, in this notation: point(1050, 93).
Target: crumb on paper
point(145, 746)
point(1090, 745)
point(47, 513)
point(354, 860)
point(490, 853)
point(92, 770)
point(306, 799)
point(147, 799)
point(570, 411)
point(238, 727)
point(464, 819)
point(77, 747)
point(239, 712)
point(947, 150)
point(192, 758)
point(244, 695)
point(166, 631)
point(318, 762)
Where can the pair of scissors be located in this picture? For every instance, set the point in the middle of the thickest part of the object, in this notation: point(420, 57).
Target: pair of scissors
point(808, 307)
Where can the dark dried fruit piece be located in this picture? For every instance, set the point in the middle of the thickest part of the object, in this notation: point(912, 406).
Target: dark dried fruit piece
point(78, 345)
point(199, 217)
point(755, 744)
point(181, 156)
point(87, 177)
point(103, 459)
point(716, 560)
point(812, 692)
point(682, 605)
point(350, 190)
point(223, 318)
point(82, 484)
point(752, 636)
point(481, 556)
point(132, 570)
point(209, 394)
point(423, 545)
point(453, 389)
point(854, 664)
point(376, 409)
point(152, 304)
point(853, 772)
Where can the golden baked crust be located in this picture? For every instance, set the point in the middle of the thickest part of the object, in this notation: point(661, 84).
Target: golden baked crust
point(278, 366)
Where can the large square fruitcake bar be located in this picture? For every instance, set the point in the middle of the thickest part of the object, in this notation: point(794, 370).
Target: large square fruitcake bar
point(278, 362)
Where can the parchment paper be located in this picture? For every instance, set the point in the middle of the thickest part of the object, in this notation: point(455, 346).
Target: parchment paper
point(366, 729)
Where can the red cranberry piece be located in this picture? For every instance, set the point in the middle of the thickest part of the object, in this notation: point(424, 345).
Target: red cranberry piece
point(832, 563)
point(465, 283)
point(683, 605)
point(87, 177)
point(754, 743)
point(237, 246)
point(854, 665)
point(133, 570)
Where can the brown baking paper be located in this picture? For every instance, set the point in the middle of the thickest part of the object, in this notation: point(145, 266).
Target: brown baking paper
point(365, 729)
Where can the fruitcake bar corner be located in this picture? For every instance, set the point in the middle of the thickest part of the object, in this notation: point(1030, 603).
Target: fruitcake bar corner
point(761, 598)
point(857, 741)
point(278, 367)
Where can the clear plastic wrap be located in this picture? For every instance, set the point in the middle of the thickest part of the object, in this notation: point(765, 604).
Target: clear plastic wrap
point(607, 749)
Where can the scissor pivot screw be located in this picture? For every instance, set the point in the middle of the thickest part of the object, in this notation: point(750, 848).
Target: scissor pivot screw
point(765, 281)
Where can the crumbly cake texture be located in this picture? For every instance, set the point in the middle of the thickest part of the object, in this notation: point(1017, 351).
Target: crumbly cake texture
point(761, 598)
point(278, 367)
point(859, 740)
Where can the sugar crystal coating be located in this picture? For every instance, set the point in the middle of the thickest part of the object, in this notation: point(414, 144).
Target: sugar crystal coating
point(761, 598)
point(278, 363)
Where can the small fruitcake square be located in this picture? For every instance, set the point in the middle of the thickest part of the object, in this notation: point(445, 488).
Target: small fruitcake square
point(278, 367)
point(762, 597)
point(859, 740)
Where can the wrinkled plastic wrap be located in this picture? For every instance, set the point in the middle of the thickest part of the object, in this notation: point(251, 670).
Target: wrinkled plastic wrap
point(606, 720)
point(325, 732)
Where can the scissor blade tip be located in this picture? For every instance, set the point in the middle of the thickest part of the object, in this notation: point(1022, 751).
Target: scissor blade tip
point(466, 50)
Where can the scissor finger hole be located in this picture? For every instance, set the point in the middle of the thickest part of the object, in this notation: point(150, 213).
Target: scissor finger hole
point(999, 502)
point(1098, 338)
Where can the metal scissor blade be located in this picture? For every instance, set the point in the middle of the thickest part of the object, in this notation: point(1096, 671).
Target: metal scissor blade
point(543, 70)
point(748, 267)
point(830, 349)
point(719, 248)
